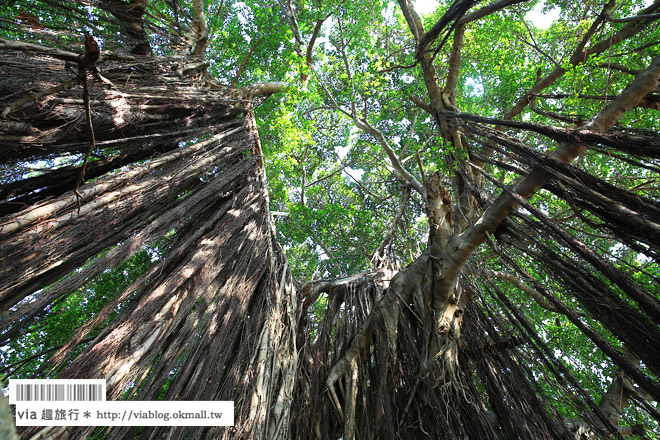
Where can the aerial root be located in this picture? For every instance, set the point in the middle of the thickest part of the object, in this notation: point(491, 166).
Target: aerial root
point(347, 369)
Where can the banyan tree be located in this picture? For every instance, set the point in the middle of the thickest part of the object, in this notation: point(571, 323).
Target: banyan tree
point(357, 221)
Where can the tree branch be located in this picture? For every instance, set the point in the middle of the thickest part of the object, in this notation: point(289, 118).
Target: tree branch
point(540, 300)
point(258, 89)
point(198, 34)
point(534, 45)
point(244, 63)
point(310, 46)
point(620, 68)
point(647, 145)
point(389, 237)
point(455, 12)
point(454, 63)
point(131, 18)
point(394, 160)
point(400, 172)
point(29, 47)
point(413, 20)
point(347, 66)
point(487, 10)
point(580, 55)
point(462, 246)
point(294, 23)
point(633, 19)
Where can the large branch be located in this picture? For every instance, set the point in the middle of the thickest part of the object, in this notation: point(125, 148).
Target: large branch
point(244, 63)
point(461, 247)
point(413, 20)
point(580, 55)
point(402, 173)
point(309, 60)
point(454, 63)
point(487, 10)
point(29, 47)
point(380, 254)
point(290, 13)
point(540, 300)
point(441, 101)
point(262, 89)
point(297, 35)
point(648, 146)
point(312, 40)
point(455, 12)
point(198, 35)
point(636, 18)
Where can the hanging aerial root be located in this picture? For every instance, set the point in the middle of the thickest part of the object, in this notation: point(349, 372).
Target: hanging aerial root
point(91, 55)
point(647, 146)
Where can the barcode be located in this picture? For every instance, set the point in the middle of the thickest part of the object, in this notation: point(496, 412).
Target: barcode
point(56, 390)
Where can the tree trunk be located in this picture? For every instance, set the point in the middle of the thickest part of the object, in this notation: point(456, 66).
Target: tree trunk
point(220, 306)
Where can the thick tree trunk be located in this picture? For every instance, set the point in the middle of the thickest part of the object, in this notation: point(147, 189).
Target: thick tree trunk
point(219, 306)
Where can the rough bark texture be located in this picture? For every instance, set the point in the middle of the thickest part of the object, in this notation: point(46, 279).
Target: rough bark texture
point(214, 318)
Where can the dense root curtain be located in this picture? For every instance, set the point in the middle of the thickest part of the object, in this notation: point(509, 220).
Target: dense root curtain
point(176, 163)
point(423, 348)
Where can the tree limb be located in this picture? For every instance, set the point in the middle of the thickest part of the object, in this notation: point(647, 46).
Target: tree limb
point(620, 67)
point(244, 63)
point(309, 60)
point(29, 47)
point(540, 300)
point(632, 19)
point(455, 12)
point(259, 89)
point(198, 34)
point(580, 55)
point(487, 10)
point(462, 246)
point(648, 145)
point(389, 237)
point(131, 18)
point(400, 172)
